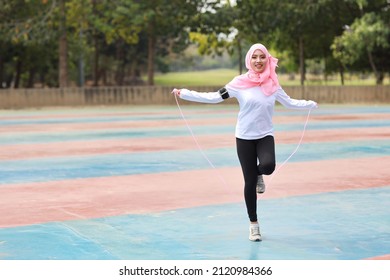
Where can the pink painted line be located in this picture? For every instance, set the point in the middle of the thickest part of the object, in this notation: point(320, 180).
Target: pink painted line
point(80, 148)
point(178, 122)
point(74, 113)
point(131, 145)
point(343, 117)
point(101, 113)
point(32, 203)
point(384, 257)
point(347, 134)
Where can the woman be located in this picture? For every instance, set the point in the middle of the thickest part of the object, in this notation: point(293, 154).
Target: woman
point(256, 92)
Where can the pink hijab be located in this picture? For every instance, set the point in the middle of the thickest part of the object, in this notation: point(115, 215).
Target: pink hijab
point(267, 80)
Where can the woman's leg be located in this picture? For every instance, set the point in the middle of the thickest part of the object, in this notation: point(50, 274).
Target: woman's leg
point(247, 154)
point(266, 153)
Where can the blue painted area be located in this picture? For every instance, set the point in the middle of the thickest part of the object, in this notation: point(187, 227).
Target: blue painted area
point(109, 134)
point(48, 242)
point(337, 109)
point(339, 226)
point(109, 119)
point(50, 169)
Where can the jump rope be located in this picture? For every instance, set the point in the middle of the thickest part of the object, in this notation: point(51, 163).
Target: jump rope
point(213, 166)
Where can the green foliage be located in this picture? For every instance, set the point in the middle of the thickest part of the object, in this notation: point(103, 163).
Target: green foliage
point(113, 37)
point(365, 34)
point(307, 29)
point(365, 43)
point(26, 21)
point(113, 19)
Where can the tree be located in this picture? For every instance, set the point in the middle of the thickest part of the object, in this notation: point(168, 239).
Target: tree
point(367, 37)
point(63, 47)
point(120, 25)
point(215, 32)
point(104, 24)
point(304, 28)
point(25, 29)
point(164, 26)
point(46, 41)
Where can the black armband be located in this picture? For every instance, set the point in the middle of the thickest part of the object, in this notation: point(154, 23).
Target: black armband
point(224, 93)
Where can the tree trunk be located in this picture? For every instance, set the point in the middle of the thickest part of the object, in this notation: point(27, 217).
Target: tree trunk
point(380, 78)
point(1, 72)
point(31, 76)
point(239, 49)
point(18, 72)
point(42, 79)
point(121, 57)
point(96, 63)
point(374, 69)
point(96, 75)
point(151, 51)
point(301, 61)
point(9, 80)
point(63, 49)
point(342, 75)
point(151, 46)
point(81, 61)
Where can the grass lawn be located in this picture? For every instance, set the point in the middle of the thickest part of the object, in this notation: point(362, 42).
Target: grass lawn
point(220, 77)
point(196, 78)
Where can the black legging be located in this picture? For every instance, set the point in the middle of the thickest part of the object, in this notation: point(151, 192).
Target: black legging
point(248, 152)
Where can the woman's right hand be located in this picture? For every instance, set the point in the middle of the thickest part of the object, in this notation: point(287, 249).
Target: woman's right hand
point(176, 91)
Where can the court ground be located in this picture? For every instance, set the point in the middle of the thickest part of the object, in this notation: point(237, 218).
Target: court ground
point(129, 183)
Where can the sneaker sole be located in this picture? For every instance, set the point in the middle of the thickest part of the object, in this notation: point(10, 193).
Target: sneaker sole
point(255, 240)
point(260, 191)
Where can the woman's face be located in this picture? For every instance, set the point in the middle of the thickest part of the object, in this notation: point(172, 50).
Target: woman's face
point(258, 61)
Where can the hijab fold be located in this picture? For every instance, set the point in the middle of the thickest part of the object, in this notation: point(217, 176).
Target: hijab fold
point(267, 80)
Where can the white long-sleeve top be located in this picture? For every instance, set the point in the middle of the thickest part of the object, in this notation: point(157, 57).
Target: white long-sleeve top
point(256, 109)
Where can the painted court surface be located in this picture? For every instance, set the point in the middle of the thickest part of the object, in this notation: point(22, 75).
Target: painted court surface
point(130, 183)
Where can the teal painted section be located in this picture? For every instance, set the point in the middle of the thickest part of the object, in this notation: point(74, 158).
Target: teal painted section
point(338, 226)
point(161, 131)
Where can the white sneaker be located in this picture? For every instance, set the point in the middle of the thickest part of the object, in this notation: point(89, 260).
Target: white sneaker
point(254, 232)
point(260, 186)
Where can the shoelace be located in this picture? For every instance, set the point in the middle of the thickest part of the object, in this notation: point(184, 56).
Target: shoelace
point(255, 230)
point(260, 180)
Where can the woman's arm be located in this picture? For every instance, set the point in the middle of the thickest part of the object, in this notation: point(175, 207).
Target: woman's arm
point(288, 102)
point(203, 97)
